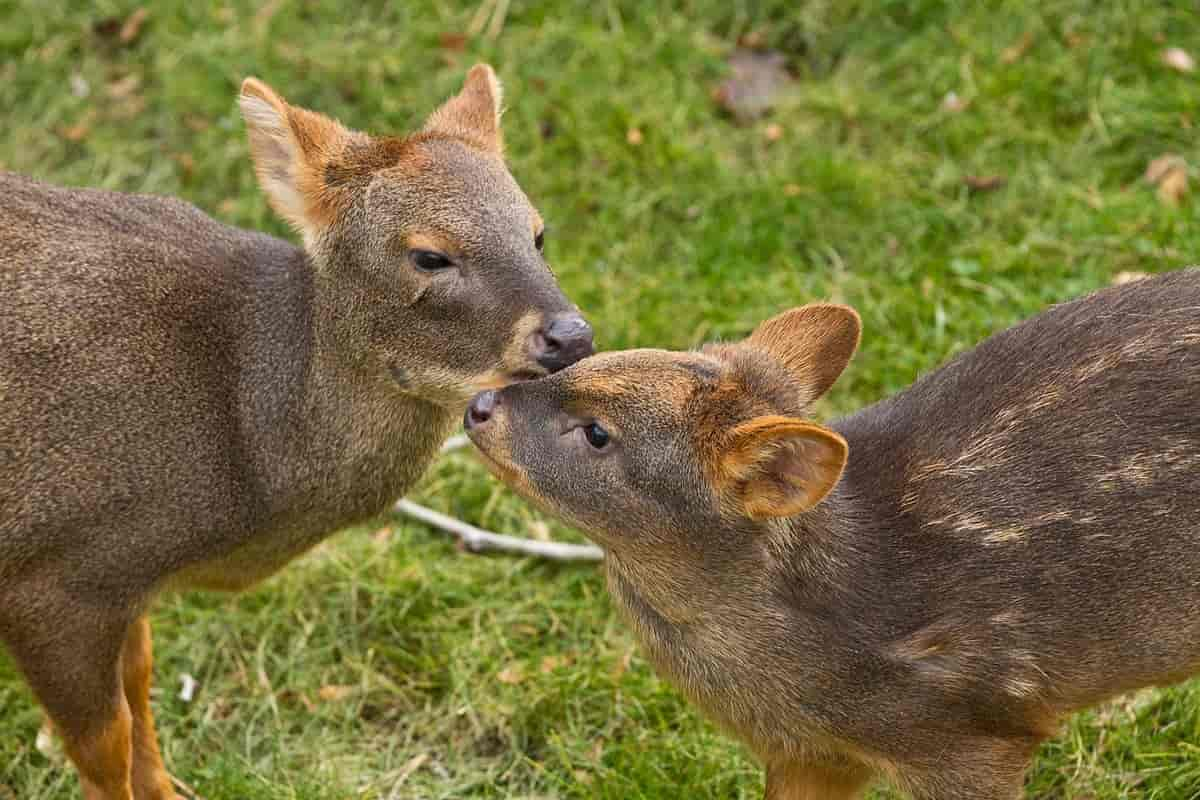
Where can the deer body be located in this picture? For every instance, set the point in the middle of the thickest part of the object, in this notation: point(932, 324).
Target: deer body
point(185, 404)
point(1013, 538)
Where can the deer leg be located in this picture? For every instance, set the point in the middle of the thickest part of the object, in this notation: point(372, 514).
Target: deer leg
point(149, 776)
point(803, 781)
point(71, 658)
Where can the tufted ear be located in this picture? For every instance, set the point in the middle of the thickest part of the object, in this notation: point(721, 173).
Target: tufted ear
point(291, 148)
point(474, 113)
point(815, 342)
point(775, 466)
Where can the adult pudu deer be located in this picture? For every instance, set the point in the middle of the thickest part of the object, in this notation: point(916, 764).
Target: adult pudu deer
point(921, 592)
point(185, 404)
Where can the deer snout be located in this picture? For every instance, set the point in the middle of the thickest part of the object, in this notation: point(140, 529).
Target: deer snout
point(565, 339)
point(481, 408)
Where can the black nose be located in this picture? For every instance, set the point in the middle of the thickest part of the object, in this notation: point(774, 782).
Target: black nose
point(562, 342)
point(480, 409)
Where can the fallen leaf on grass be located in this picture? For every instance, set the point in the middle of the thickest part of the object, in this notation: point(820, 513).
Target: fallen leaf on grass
point(187, 164)
point(108, 26)
point(773, 132)
point(1179, 59)
point(332, 693)
point(1014, 52)
point(120, 89)
point(1127, 277)
point(622, 665)
point(984, 183)
point(133, 26)
point(456, 42)
point(1169, 172)
point(754, 87)
point(513, 674)
point(634, 136)
point(752, 40)
point(792, 190)
point(551, 663)
point(954, 104)
point(82, 127)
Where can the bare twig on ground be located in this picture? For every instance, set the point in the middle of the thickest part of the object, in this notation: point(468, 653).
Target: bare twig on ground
point(477, 540)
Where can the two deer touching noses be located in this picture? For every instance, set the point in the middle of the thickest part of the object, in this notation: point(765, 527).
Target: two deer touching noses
point(917, 593)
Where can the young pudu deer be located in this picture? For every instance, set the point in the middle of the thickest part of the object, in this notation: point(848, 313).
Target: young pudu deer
point(185, 404)
point(921, 592)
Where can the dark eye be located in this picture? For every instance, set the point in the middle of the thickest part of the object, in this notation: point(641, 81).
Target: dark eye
point(430, 261)
point(596, 436)
point(539, 241)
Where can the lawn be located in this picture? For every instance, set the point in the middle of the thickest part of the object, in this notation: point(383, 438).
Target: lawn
point(387, 664)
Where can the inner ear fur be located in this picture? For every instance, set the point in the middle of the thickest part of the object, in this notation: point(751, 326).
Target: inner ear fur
point(776, 466)
point(815, 342)
point(292, 148)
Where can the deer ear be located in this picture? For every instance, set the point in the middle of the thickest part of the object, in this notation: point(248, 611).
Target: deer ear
point(775, 466)
point(291, 147)
point(815, 342)
point(474, 113)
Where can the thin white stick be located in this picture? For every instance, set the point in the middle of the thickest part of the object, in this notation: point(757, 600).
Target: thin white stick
point(477, 540)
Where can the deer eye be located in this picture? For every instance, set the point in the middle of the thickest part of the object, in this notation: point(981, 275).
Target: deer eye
point(539, 241)
point(596, 436)
point(429, 261)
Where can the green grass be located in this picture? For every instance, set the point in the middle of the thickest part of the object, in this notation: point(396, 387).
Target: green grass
point(693, 234)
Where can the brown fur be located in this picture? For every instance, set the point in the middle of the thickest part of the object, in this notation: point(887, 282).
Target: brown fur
point(1013, 538)
point(190, 405)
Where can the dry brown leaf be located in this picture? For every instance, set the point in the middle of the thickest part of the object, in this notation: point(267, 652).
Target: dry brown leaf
point(634, 136)
point(773, 132)
point(1173, 188)
point(187, 164)
point(754, 87)
point(124, 87)
point(133, 26)
point(108, 26)
point(1127, 277)
point(984, 183)
point(82, 127)
point(622, 665)
point(1014, 52)
point(753, 40)
point(332, 693)
point(551, 663)
point(1179, 59)
point(792, 190)
point(954, 104)
point(1169, 172)
point(513, 674)
point(457, 42)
